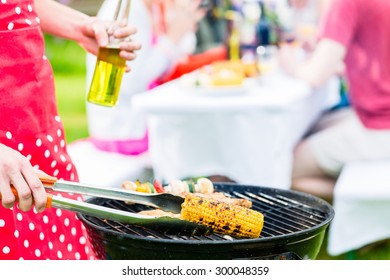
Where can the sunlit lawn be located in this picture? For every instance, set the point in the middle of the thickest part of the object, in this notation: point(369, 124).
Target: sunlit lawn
point(68, 61)
point(71, 105)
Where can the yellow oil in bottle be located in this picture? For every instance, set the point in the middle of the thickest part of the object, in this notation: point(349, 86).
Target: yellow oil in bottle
point(234, 45)
point(107, 78)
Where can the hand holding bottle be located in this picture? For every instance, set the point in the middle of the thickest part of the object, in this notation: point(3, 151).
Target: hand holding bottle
point(98, 33)
point(111, 58)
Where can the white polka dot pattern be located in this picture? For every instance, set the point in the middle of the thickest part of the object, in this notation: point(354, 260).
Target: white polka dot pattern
point(38, 142)
point(6, 250)
point(82, 240)
point(19, 13)
point(59, 212)
point(37, 253)
point(53, 234)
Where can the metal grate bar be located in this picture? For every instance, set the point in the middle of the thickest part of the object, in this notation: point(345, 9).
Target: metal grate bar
point(283, 215)
point(292, 213)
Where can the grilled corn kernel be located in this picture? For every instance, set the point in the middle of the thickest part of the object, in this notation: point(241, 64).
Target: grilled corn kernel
point(223, 218)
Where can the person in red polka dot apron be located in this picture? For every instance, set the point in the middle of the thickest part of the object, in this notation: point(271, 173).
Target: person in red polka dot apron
point(31, 132)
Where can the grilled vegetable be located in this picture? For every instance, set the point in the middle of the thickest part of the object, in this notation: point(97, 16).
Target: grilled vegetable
point(139, 187)
point(227, 219)
point(204, 185)
point(129, 185)
point(179, 187)
point(158, 186)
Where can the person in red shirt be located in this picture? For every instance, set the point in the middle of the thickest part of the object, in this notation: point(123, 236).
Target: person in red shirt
point(354, 39)
point(32, 137)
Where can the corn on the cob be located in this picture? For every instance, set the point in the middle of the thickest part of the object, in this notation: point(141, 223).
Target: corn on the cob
point(228, 219)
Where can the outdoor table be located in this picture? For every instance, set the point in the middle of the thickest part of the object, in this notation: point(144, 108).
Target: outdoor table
point(248, 134)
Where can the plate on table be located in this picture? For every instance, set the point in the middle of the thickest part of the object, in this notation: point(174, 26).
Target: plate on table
point(201, 86)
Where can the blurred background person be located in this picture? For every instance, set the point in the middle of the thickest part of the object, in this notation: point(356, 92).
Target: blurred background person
point(304, 23)
point(353, 37)
point(305, 19)
point(166, 30)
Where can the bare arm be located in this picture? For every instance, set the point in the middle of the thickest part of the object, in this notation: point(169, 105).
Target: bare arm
point(89, 32)
point(325, 62)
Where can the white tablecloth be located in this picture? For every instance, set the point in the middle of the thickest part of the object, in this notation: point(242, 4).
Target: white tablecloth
point(362, 206)
point(248, 136)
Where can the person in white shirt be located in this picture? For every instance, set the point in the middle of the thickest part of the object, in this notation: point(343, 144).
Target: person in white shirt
point(166, 30)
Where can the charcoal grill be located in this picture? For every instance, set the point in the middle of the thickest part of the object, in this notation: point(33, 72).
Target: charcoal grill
point(294, 227)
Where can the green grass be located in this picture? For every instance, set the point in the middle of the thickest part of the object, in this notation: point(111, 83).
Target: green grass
point(68, 61)
point(70, 90)
point(377, 251)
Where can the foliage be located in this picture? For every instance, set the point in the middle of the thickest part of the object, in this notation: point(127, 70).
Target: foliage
point(66, 56)
point(68, 62)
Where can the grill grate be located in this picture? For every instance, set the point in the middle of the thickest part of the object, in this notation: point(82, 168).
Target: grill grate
point(283, 214)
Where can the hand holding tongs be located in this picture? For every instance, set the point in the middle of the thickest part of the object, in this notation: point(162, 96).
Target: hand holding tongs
point(164, 201)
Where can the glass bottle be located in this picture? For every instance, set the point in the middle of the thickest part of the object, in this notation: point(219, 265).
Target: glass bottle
point(110, 67)
point(264, 27)
point(234, 42)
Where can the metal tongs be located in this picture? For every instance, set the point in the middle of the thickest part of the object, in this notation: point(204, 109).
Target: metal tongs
point(164, 201)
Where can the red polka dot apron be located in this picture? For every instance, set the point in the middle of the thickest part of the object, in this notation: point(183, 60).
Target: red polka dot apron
point(30, 124)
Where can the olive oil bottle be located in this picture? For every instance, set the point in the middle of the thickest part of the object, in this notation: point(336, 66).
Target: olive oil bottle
point(107, 77)
point(110, 67)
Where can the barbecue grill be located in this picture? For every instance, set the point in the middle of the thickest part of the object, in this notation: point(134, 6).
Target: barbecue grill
point(294, 227)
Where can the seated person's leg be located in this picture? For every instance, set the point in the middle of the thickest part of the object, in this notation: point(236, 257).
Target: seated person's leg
point(307, 174)
point(315, 165)
point(320, 158)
